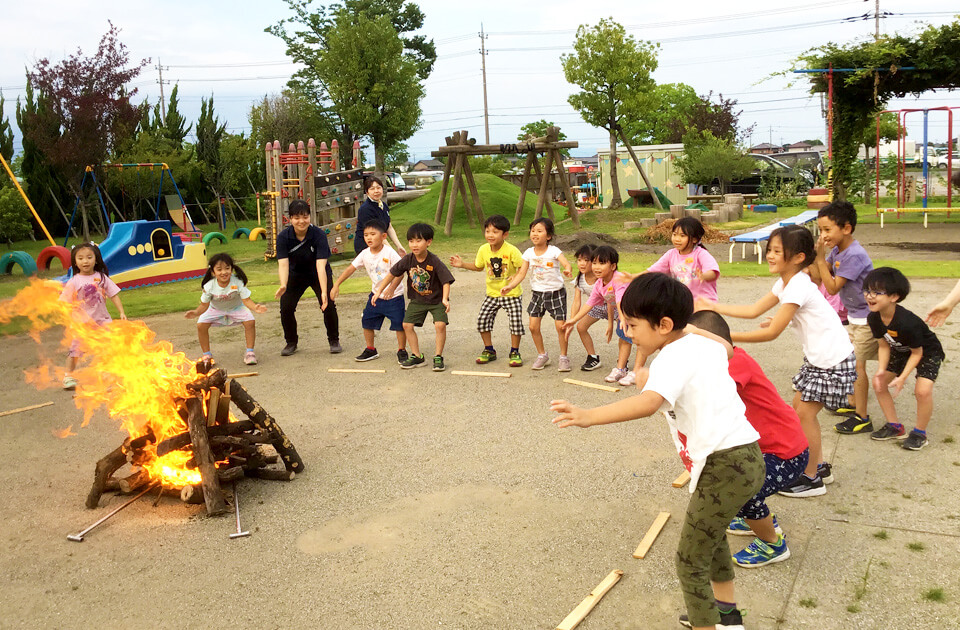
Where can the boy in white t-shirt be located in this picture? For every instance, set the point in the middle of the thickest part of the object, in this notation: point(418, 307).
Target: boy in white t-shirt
point(690, 382)
point(548, 293)
point(377, 259)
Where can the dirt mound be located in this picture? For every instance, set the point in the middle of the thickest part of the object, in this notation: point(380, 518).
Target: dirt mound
point(660, 234)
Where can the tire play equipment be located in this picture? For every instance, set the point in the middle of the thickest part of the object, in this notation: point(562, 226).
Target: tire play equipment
point(55, 252)
point(22, 259)
point(214, 236)
point(256, 233)
point(241, 233)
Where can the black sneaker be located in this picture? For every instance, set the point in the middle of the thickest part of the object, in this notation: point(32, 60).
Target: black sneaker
point(335, 347)
point(438, 364)
point(854, 424)
point(804, 487)
point(825, 472)
point(888, 432)
point(413, 361)
point(732, 619)
point(288, 349)
point(592, 363)
point(368, 354)
point(914, 441)
point(402, 355)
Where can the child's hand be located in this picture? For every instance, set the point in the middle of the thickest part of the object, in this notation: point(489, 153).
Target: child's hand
point(446, 305)
point(766, 322)
point(123, 316)
point(938, 314)
point(374, 298)
point(896, 385)
point(260, 308)
point(570, 415)
point(334, 292)
point(280, 291)
point(703, 304)
point(455, 261)
point(505, 290)
point(568, 272)
point(188, 315)
point(609, 332)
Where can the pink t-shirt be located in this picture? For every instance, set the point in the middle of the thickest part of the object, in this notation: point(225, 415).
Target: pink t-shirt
point(684, 268)
point(91, 293)
point(610, 293)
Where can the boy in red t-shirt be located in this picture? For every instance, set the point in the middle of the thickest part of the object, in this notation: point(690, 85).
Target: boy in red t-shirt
point(782, 442)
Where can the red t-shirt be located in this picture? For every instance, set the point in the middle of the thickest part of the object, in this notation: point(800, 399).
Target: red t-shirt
point(775, 421)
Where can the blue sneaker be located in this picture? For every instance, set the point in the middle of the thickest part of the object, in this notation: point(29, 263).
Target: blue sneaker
point(739, 527)
point(759, 553)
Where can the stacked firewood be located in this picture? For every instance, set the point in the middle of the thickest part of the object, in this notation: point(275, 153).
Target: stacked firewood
point(222, 451)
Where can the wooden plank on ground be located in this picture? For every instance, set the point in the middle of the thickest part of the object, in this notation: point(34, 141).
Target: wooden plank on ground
point(682, 480)
point(651, 535)
point(22, 409)
point(583, 609)
point(493, 374)
point(605, 388)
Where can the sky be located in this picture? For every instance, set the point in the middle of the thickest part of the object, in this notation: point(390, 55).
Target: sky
point(734, 49)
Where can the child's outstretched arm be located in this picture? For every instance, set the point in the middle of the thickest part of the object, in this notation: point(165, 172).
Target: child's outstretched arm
point(335, 290)
point(640, 406)
point(253, 306)
point(939, 313)
point(116, 302)
point(772, 330)
point(743, 311)
point(197, 312)
point(516, 279)
point(457, 261)
point(445, 300)
point(378, 291)
point(567, 269)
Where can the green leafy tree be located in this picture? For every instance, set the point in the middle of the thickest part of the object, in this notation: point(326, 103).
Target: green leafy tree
point(708, 158)
point(14, 215)
point(668, 108)
point(538, 129)
point(889, 131)
point(209, 137)
point(172, 125)
point(492, 164)
point(290, 116)
point(396, 156)
point(612, 70)
point(6, 134)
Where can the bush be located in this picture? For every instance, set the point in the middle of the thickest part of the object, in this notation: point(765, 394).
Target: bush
point(14, 215)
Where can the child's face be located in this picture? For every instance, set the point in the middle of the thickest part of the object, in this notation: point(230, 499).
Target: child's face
point(300, 222)
point(494, 236)
point(373, 238)
point(419, 246)
point(878, 301)
point(584, 264)
point(644, 335)
point(775, 256)
point(604, 269)
point(831, 233)
point(681, 241)
point(538, 235)
point(222, 272)
point(86, 260)
point(375, 192)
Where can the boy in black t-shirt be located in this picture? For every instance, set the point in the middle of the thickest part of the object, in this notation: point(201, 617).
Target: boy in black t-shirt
point(906, 343)
point(428, 288)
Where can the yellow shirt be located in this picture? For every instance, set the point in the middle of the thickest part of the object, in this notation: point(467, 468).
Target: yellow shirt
point(500, 266)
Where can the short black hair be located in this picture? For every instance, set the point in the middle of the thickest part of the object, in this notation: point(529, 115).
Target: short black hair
point(547, 225)
point(498, 221)
point(420, 230)
point(691, 228)
point(298, 207)
point(653, 296)
point(795, 239)
point(840, 212)
point(586, 251)
point(712, 321)
point(888, 280)
point(369, 181)
point(376, 224)
point(606, 254)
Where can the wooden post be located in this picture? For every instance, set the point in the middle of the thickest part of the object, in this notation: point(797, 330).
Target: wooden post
point(462, 188)
point(536, 168)
point(212, 495)
point(474, 193)
point(544, 183)
point(452, 204)
point(524, 182)
point(444, 184)
point(567, 191)
point(643, 173)
point(334, 155)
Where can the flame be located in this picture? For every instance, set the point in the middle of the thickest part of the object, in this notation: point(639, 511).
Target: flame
point(64, 433)
point(124, 370)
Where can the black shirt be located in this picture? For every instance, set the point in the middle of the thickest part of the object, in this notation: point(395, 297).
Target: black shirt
point(370, 210)
point(425, 279)
point(303, 254)
point(905, 331)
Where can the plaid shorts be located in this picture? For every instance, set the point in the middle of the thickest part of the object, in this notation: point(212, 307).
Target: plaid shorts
point(829, 386)
point(929, 366)
point(598, 312)
point(488, 313)
point(553, 302)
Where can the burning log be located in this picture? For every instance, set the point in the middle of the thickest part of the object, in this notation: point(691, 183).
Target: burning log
point(134, 481)
point(272, 474)
point(182, 440)
point(213, 497)
point(245, 402)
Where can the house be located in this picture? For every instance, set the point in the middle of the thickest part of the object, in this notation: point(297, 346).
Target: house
point(798, 146)
point(428, 165)
point(765, 149)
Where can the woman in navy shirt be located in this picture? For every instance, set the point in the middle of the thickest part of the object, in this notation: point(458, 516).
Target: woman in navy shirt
point(374, 207)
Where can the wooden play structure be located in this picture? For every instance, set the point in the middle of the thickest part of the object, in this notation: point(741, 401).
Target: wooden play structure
point(459, 146)
point(313, 175)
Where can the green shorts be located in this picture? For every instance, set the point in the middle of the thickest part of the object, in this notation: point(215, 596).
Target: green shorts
point(417, 313)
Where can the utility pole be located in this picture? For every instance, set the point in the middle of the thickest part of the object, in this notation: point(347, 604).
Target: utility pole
point(163, 100)
point(483, 66)
point(876, 21)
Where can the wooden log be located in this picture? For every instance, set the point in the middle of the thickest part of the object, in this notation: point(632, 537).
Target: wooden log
point(243, 374)
point(567, 191)
point(181, 440)
point(544, 181)
point(452, 204)
point(192, 494)
point(269, 426)
point(462, 188)
point(223, 409)
point(226, 475)
point(503, 149)
point(682, 480)
point(443, 185)
point(134, 481)
point(605, 388)
point(22, 409)
point(271, 474)
point(493, 374)
point(106, 466)
point(524, 182)
point(217, 378)
point(213, 406)
point(579, 613)
point(651, 535)
point(212, 495)
point(353, 371)
point(229, 440)
point(643, 173)
point(474, 194)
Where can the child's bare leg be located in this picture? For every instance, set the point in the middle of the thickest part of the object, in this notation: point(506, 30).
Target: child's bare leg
point(885, 400)
point(369, 337)
point(485, 335)
point(764, 530)
point(924, 393)
point(401, 339)
point(515, 341)
point(203, 334)
point(71, 364)
point(412, 338)
point(623, 353)
point(808, 410)
point(582, 328)
point(441, 337)
point(860, 389)
point(250, 333)
point(562, 338)
point(534, 334)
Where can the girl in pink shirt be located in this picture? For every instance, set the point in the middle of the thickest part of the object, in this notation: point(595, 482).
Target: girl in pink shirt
point(689, 261)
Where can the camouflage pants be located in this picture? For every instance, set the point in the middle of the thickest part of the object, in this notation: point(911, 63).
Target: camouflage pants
point(729, 479)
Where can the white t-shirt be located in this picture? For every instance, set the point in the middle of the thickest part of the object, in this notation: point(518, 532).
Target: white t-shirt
point(825, 342)
point(378, 266)
point(703, 409)
point(228, 298)
point(546, 274)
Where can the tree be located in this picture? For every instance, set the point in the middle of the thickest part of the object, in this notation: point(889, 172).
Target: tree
point(209, 137)
point(538, 129)
point(6, 134)
point(889, 131)
point(669, 108)
point(396, 156)
point(707, 158)
point(289, 117)
point(14, 215)
point(612, 70)
point(372, 84)
point(172, 125)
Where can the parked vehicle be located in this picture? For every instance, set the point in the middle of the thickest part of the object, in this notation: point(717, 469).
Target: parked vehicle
point(422, 179)
point(764, 164)
point(807, 161)
point(942, 161)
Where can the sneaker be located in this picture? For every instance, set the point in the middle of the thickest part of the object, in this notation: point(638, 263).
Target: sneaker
point(368, 354)
point(69, 382)
point(413, 361)
point(760, 553)
point(335, 347)
point(854, 424)
point(843, 410)
point(739, 527)
point(914, 441)
point(732, 620)
point(629, 379)
point(888, 432)
point(592, 363)
point(250, 358)
point(515, 360)
point(541, 362)
point(825, 472)
point(804, 487)
point(438, 364)
point(563, 364)
point(486, 356)
point(288, 349)
point(615, 375)
point(402, 355)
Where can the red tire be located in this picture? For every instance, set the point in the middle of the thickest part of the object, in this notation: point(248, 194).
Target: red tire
point(48, 254)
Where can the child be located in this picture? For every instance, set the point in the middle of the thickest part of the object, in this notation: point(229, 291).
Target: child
point(608, 289)
point(829, 366)
point(88, 288)
point(377, 258)
point(688, 380)
point(428, 288)
point(840, 268)
point(547, 291)
point(689, 261)
point(500, 260)
point(584, 286)
point(225, 301)
point(905, 344)
point(782, 442)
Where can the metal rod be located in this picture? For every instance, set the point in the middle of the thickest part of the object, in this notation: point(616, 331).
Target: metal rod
point(78, 537)
point(236, 506)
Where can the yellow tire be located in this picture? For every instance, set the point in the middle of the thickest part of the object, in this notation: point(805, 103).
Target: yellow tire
point(256, 233)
